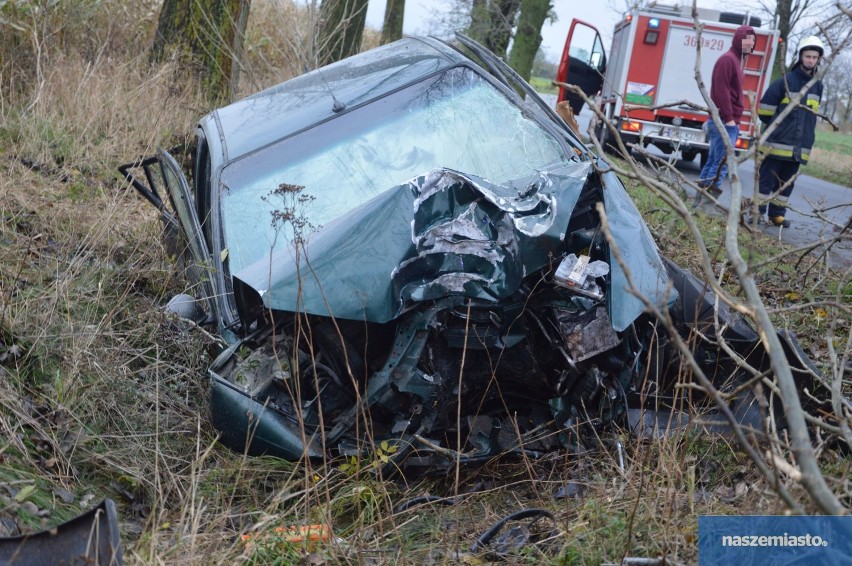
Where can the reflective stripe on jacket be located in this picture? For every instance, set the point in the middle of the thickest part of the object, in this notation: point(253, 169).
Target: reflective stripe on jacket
point(794, 137)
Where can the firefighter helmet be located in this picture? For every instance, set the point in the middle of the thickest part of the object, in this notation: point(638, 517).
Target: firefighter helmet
point(811, 43)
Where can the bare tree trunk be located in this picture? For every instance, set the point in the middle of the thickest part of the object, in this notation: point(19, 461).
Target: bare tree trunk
point(341, 27)
point(528, 35)
point(504, 20)
point(491, 23)
point(210, 34)
point(392, 26)
point(787, 14)
point(783, 13)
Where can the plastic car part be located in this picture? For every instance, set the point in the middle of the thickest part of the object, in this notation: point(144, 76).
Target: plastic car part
point(186, 307)
point(92, 539)
point(514, 538)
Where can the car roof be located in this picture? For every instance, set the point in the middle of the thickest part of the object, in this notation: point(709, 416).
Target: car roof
point(294, 105)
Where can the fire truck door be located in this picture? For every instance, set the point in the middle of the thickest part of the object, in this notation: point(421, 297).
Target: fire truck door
point(583, 63)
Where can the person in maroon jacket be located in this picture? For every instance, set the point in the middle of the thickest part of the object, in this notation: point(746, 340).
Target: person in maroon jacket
point(726, 91)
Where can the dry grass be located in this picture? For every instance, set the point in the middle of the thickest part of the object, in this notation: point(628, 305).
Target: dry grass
point(102, 396)
point(280, 43)
point(830, 165)
point(109, 400)
point(831, 158)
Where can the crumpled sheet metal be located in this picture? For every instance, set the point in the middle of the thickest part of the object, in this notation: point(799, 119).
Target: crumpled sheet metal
point(447, 233)
point(477, 239)
point(638, 251)
point(441, 234)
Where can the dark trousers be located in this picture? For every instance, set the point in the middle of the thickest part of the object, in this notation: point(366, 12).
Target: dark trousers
point(774, 173)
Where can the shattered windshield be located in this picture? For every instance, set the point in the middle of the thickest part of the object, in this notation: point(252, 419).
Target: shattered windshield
point(455, 120)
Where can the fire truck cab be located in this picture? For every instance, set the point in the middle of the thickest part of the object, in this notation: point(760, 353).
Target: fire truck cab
point(644, 86)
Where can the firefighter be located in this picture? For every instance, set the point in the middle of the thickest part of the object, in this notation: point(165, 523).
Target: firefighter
point(726, 92)
point(790, 144)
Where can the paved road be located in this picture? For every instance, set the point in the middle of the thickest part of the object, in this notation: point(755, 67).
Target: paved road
point(810, 195)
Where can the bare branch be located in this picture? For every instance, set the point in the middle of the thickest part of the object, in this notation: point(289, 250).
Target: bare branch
point(703, 380)
point(802, 446)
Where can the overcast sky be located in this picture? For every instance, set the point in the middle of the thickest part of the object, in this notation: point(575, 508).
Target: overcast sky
point(420, 17)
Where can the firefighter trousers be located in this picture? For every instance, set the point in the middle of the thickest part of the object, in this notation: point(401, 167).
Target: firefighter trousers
point(774, 174)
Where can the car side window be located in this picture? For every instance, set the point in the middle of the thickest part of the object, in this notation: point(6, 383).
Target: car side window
point(201, 175)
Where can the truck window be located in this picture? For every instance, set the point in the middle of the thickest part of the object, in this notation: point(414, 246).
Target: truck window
point(598, 59)
point(587, 47)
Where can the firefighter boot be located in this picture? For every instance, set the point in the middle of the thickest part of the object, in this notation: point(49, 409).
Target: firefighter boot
point(749, 219)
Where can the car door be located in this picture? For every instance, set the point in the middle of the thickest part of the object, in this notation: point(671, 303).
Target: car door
point(583, 63)
point(202, 268)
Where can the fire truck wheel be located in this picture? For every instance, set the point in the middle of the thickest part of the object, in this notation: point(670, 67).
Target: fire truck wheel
point(688, 155)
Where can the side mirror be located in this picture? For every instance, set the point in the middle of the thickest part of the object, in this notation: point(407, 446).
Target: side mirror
point(596, 59)
point(186, 307)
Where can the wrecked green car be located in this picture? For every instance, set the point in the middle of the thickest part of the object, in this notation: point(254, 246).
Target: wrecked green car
point(403, 251)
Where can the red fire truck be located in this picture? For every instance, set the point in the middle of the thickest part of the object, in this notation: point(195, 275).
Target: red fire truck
point(652, 63)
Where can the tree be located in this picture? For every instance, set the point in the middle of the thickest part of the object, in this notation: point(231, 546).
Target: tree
point(341, 27)
point(491, 23)
point(542, 66)
point(210, 34)
point(838, 90)
point(392, 26)
point(787, 15)
point(837, 31)
point(528, 35)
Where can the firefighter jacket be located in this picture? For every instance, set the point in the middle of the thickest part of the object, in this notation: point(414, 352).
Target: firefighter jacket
point(794, 137)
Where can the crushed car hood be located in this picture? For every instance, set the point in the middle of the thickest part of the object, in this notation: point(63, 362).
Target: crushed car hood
point(443, 234)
